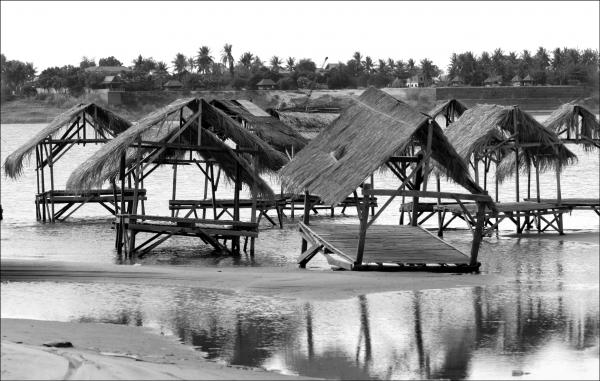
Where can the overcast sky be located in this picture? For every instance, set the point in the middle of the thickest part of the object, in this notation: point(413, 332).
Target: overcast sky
point(60, 33)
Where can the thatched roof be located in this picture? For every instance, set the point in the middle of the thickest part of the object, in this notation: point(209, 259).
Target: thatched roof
point(160, 126)
point(486, 125)
point(361, 140)
point(270, 129)
point(577, 120)
point(307, 123)
point(109, 123)
point(449, 108)
point(266, 82)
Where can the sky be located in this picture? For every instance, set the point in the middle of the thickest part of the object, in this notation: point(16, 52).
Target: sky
point(60, 33)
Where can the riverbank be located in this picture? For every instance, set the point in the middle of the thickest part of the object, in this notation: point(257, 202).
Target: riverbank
point(107, 351)
point(288, 282)
point(42, 109)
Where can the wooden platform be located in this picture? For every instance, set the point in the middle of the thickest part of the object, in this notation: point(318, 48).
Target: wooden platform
point(387, 248)
point(572, 203)
point(523, 214)
point(45, 201)
point(162, 228)
point(221, 207)
point(296, 202)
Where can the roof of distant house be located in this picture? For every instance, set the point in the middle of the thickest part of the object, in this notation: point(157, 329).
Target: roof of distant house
point(110, 79)
point(528, 78)
point(266, 82)
point(173, 83)
point(493, 78)
point(456, 78)
point(107, 69)
point(516, 78)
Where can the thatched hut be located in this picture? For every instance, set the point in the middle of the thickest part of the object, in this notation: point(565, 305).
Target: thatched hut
point(492, 133)
point(575, 124)
point(451, 109)
point(162, 127)
point(308, 124)
point(106, 124)
point(188, 131)
point(270, 129)
point(360, 141)
point(84, 123)
point(367, 136)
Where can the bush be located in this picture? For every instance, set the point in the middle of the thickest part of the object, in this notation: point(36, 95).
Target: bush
point(287, 84)
point(239, 83)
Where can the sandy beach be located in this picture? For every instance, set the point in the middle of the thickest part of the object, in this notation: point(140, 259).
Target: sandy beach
point(106, 351)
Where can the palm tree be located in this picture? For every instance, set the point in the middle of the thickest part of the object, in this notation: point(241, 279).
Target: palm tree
point(246, 59)
point(204, 59)
point(391, 64)
point(382, 66)
point(291, 63)
point(162, 68)
point(179, 63)
point(275, 63)
point(191, 63)
point(357, 57)
point(227, 57)
point(368, 63)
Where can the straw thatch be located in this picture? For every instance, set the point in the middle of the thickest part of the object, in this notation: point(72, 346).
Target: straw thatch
point(581, 124)
point(307, 123)
point(107, 122)
point(452, 109)
point(273, 131)
point(159, 127)
point(360, 141)
point(484, 126)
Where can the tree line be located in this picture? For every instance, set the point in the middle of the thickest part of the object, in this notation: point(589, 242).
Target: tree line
point(207, 70)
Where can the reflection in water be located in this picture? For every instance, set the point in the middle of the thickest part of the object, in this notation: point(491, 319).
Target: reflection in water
point(452, 333)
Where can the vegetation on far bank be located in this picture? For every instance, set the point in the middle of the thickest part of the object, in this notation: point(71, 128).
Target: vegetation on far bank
point(209, 71)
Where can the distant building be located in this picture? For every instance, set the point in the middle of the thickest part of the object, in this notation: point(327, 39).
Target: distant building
point(493, 81)
point(112, 82)
point(456, 81)
point(398, 83)
point(516, 81)
point(173, 84)
point(107, 70)
point(266, 84)
point(417, 80)
point(527, 81)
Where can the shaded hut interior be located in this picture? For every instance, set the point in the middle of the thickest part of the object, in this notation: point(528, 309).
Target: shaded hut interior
point(84, 123)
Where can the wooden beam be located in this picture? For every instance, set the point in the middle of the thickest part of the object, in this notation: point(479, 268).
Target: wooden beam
point(429, 194)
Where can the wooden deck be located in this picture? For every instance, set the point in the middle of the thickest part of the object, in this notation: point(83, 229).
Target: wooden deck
point(387, 248)
point(221, 207)
point(572, 203)
point(524, 215)
point(72, 201)
point(163, 228)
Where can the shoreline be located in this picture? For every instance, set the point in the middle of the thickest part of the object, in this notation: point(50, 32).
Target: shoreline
point(287, 282)
point(107, 351)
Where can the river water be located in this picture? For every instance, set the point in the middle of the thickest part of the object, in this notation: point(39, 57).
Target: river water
point(543, 324)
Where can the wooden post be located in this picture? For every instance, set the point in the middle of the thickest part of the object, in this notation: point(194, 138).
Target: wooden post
point(174, 191)
point(305, 219)
point(476, 167)
point(254, 195)
point(134, 202)
point(199, 123)
point(37, 176)
point(364, 218)
point(372, 187)
point(236, 203)
point(51, 163)
point(517, 197)
point(537, 188)
point(439, 203)
point(122, 177)
point(559, 219)
point(418, 181)
point(478, 232)
point(428, 155)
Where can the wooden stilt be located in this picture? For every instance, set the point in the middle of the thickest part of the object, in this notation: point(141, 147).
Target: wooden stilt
point(364, 218)
point(174, 191)
point(51, 165)
point(306, 218)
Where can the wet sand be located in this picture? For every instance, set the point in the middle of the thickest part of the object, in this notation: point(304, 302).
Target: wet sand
point(161, 357)
point(289, 282)
point(107, 351)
